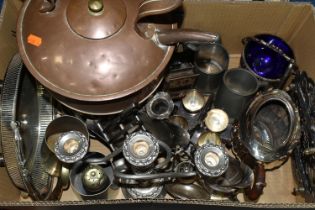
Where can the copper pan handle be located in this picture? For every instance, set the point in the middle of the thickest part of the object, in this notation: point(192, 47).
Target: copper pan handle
point(173, 36)
point(157, 7)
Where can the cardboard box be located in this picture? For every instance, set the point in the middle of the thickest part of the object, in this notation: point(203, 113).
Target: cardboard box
point(8, 19)
point(8, 47)
point(234, 21)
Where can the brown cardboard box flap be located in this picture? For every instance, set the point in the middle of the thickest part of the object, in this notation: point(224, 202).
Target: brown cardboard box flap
point(236, 20)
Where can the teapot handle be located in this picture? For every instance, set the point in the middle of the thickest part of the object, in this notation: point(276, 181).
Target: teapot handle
point(173, 36)
point(156, 7)
point(48, 6)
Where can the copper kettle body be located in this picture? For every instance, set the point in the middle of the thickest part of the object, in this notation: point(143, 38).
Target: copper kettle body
point(96, 56)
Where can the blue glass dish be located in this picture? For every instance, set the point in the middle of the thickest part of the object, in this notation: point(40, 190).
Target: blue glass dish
point(264, 61)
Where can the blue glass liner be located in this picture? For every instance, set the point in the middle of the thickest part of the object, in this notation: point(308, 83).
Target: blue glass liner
point(1, 4)
point(264, 61)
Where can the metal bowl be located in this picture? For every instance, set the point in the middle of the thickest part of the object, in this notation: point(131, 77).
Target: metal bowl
point(271, 127)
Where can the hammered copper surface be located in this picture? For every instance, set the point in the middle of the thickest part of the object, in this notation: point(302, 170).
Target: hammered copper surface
point(112, 106)
point(84, 68)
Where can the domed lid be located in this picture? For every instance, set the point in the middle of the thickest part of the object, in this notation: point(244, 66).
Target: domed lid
point(96, 19)
point(93, 50)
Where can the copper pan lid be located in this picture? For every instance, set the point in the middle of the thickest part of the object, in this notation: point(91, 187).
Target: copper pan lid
point(92, 50)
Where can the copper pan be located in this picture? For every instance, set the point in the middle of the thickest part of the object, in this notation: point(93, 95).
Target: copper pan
point(96, 51)
point(109, 107)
